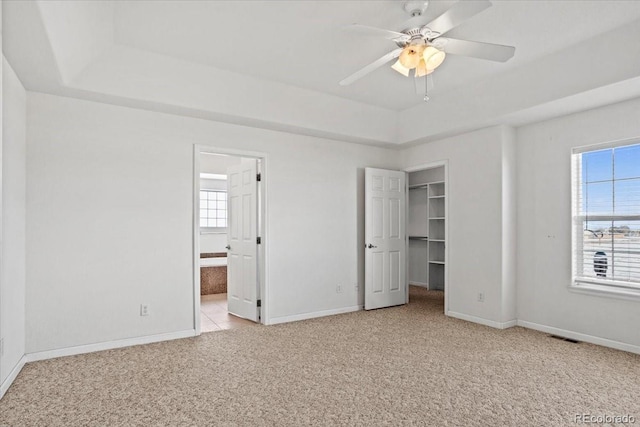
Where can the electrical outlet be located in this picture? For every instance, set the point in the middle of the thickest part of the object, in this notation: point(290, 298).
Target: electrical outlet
point(339, 289)
point(144, 309)
point(480, 296)
point(357, 287)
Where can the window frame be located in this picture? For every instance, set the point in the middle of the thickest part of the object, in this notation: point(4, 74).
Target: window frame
point(593, 286)
point(211, 230)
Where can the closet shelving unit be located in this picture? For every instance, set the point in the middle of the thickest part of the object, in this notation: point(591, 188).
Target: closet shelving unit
point(418, 234)
point(434, 240)
point(436, 208)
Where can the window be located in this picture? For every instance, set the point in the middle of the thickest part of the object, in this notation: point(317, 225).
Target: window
point(606, 218)
point(213, 209)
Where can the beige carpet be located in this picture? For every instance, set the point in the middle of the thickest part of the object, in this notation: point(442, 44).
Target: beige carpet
point(406, 365)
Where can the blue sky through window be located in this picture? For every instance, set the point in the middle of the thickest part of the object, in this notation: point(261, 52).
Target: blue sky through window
point(611, 185)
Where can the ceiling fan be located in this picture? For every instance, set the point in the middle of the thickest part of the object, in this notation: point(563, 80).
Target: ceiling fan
point(423, 49)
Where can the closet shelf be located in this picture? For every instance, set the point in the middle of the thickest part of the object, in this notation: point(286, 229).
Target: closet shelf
point(418, 186)
point(437, 240)
point(436, 262)
point(437, 197)
point(418, 238)
point(434, 217)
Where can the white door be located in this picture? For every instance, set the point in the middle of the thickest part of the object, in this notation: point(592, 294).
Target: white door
point(242, 247)
point(385, 242)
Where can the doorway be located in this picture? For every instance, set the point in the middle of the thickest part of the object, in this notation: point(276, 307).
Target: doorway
point(229, 210)
point(427, 209)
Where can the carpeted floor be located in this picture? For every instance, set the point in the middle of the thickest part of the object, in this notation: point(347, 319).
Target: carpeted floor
point(407, 365)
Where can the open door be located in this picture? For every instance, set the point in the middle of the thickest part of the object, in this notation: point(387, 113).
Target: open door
point(242, 234)
point(385, 241)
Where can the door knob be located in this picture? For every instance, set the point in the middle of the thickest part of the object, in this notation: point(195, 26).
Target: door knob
point(371, 246)
point(228, 247)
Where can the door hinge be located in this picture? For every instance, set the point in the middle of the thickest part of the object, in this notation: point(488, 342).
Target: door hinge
point(259, 177)
point(259, 240)
point(259, 303)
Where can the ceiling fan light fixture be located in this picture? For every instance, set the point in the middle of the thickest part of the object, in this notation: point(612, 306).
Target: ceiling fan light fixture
point(422, 69)
point(401, 68)
point(410, 56)
point(433, 57)
point(420, 46)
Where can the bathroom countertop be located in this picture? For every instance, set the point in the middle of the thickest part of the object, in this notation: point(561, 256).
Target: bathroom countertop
point(213, 254)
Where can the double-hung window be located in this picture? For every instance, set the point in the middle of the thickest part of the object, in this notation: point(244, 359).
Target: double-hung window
point(606, 218)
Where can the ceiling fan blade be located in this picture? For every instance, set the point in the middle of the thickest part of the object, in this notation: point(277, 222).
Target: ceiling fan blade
point(376, 32)
point(369, 68)
point(458, 13)
point(490, 51)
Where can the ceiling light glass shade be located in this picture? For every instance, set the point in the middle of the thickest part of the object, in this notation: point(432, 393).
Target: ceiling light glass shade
point(433, 57)
point(422, 70)
point(400, 68)
point(410, 56)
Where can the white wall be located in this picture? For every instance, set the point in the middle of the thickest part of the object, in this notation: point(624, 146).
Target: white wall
point(475, 215)
point(102, 180)
point(12, 271)
point(213, 242)
point(509, 224)
point(544, 225)
point(218, 164)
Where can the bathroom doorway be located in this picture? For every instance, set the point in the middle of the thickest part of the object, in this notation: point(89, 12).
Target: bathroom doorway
point(228, 234)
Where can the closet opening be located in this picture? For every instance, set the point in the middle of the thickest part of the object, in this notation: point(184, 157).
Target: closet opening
point(427, 231)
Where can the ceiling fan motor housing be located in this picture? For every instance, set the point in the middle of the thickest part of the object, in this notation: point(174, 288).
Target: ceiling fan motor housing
point(416, 8)
point(417, 36)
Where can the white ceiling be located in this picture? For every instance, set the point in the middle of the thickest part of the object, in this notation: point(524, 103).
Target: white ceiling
point(276, 64)
point(303, 43)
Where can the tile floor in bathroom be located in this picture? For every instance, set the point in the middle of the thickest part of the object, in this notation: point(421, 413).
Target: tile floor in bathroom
point(215, 317)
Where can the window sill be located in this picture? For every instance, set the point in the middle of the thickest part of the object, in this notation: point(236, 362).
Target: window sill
point(213, 231)
point(606, 291)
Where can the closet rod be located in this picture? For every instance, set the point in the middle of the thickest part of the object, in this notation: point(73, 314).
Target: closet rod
point(418, 186)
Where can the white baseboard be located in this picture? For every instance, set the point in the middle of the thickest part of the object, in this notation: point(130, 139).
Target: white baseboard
point(108, 345)
point(12, 376)
point(312, 315)
point(420, 284)
point(480, 320)
point(509, 324)
point(580, 337)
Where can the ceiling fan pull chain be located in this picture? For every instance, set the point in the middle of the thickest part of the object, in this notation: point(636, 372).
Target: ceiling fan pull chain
point(426, 90)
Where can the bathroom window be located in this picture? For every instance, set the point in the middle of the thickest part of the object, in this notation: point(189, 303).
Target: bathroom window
point(213, 209)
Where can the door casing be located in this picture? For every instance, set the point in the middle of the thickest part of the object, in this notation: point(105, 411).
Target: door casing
point(262, 206)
